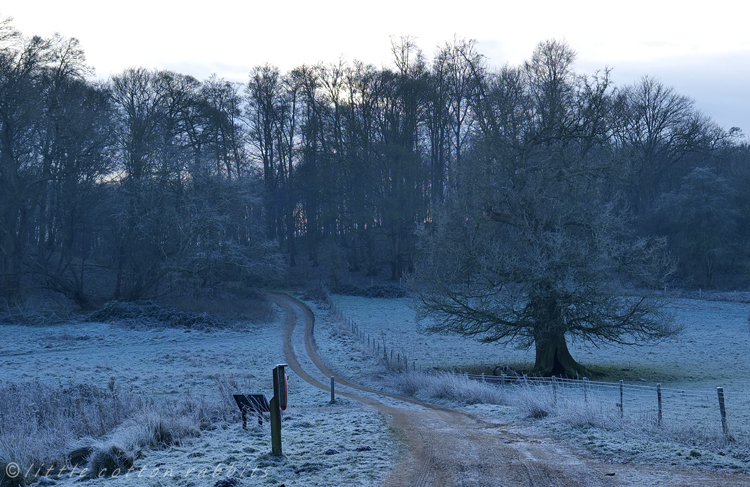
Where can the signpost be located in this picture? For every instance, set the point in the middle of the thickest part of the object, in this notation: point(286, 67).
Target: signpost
point(277, 404)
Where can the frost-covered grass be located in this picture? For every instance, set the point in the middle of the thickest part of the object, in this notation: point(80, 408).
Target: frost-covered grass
point(151, 405)
point(446, 386)
point(601, 428)
point(710, 352)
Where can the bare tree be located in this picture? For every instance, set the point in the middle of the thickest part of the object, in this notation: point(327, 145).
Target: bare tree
point(23, 63)
point(532, 250)
point(660, 130)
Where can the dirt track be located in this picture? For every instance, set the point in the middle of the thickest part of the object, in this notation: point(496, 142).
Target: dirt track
point(448, 447)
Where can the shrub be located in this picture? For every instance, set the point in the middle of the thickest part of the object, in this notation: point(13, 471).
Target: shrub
point(109, 459)
point(149, 314)
point(374, 291)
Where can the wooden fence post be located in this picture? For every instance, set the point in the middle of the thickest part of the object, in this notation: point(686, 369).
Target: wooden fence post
point(621, 404)
point(658, 396)
point(585, 389)
point(554, 390)
point(723, 411)
point(333, 386)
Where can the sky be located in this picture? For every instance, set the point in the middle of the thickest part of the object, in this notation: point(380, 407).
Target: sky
point(702, 49)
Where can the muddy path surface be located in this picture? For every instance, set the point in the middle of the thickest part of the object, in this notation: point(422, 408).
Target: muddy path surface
point(449, 447)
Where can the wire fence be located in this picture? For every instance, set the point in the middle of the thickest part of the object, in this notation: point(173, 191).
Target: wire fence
point(648, 404)
point(702, 409)
point(393, 357)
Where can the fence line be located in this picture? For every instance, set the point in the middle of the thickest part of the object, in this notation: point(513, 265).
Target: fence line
point(393, 358)
point(655, 403)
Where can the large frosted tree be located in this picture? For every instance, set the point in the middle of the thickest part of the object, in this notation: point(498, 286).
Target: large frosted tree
point(532, 247)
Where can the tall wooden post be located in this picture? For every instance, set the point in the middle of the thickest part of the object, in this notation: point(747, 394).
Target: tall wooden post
point(554, 390)
point(723, 411)
point(585, 389)
point(276, 404)
point(659, 416)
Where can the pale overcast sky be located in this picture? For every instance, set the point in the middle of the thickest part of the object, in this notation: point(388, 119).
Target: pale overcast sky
point(702, 49)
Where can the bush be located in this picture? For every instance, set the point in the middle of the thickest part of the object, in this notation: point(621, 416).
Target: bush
point(109, 459)
point(149, 314)
point(374, 291)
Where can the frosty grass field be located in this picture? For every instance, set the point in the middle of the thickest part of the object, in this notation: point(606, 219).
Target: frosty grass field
point(711, 352)
point(335, 444)
point(323, 443)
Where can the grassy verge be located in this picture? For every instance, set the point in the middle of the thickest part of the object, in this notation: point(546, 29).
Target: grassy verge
point(590, 425)
point(45, 427)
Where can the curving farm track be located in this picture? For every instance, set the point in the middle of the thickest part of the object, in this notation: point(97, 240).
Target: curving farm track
point(448, 447)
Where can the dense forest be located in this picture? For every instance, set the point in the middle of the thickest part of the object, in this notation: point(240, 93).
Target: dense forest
point(153, 181)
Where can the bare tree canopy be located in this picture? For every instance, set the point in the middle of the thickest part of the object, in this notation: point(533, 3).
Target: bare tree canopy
point(153, 180)
point(532, 249)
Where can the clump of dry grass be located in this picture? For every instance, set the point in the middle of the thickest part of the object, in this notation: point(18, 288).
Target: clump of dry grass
point(109, 460)
point(102, 429)
point(447, 386)
point(39, 420)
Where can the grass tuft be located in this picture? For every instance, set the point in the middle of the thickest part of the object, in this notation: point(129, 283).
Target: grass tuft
point(105, 430)
point(109, 460)
point(447, 386)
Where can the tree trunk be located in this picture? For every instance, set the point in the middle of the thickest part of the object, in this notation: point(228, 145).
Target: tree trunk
point(554, 359)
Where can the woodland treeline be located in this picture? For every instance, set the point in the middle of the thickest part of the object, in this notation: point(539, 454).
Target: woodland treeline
point(153, 180)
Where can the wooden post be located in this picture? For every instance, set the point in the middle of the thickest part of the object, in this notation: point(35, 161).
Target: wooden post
point(482, 376)
point(279, 388)
point(658, 398)
point(585, 389)
point(333, 387)
point(502, 378)
point(723, 411)
point(554, 390)
point(621, 404)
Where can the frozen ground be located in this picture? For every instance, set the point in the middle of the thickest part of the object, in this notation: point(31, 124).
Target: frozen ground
point(347, 443)
point(341, 444)
point(712, 351)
